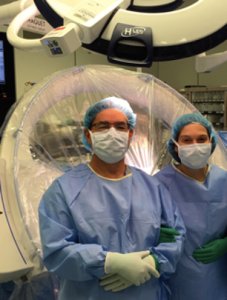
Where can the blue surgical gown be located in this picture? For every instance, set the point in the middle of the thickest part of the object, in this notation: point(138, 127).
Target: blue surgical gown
point(203, 207)
point(83, 215)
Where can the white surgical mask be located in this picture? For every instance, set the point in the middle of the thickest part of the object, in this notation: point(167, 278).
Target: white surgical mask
point(194, 156)
point(110, 145)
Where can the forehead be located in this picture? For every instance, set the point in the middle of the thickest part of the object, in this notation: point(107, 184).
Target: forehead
point(194, 129)
point(111, 115)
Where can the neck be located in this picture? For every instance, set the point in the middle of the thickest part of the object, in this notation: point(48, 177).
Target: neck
point(115, 170)
point(198, 174)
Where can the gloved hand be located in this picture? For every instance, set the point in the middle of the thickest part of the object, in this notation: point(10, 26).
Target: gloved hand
point(211, 251)
point(153, 262)
point(116, 283)
point(167, 235)
point(130, 266)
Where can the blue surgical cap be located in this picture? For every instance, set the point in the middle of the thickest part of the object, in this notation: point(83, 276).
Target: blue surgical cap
point(107, 103)
point(185, 120)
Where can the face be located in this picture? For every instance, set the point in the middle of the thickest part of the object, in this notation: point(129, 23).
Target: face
point(108, 118)
point(193, 133)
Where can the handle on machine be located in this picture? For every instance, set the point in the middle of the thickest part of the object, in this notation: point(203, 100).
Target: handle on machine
point(131, 45)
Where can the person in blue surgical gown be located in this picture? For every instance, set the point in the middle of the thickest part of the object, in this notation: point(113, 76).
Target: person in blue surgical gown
point(200, 191)
point(100, 222)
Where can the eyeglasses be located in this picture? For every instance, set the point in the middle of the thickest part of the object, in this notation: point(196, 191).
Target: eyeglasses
point(120, 126)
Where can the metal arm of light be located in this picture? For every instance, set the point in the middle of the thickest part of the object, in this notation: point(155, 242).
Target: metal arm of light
point(206, 63)
point(15, 26)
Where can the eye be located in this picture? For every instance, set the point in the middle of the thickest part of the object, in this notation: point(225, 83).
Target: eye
point(100, 126)
point(103, 126)
point(121, 126)
point(202, 139)
point(186, 140)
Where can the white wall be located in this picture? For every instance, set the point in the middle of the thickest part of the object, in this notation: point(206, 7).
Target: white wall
point(179, 73)
point(176, 73)
point(85, 57)
point(34, 66)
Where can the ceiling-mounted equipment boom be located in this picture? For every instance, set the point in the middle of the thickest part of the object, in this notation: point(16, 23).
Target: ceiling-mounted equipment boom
point(126, 36)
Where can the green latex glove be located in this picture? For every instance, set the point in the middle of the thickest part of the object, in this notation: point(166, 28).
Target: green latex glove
point(211, 251)
point(167, 234)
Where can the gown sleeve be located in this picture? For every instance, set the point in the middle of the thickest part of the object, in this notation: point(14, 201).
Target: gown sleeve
point(168, 254)
point(61, 252)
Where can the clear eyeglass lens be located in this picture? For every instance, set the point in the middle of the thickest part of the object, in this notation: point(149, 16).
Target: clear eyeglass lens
point(121, 126)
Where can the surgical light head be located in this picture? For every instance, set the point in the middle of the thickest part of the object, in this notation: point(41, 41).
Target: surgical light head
point(107, 103)
point(185, 120)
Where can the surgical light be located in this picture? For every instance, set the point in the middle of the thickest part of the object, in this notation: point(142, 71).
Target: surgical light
point(174, 34)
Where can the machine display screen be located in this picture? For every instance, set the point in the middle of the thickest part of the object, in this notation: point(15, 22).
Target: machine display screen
point(7, 77)
point(2, 63)
point(7, 67)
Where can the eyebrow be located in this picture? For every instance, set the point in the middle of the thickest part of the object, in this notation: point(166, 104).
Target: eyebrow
point(108, 122)
point(189, 136)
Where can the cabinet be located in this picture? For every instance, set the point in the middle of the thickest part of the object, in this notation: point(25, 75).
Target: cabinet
point(211, 102)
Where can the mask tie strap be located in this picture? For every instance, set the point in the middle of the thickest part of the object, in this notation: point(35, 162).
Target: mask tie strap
point(175, 142)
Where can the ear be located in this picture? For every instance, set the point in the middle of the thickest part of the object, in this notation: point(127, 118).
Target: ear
point(87, 135)
point(131, 133)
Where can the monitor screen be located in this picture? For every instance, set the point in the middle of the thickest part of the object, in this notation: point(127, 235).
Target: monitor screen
point(2, 63)
point(7, 77)
point(7, 68)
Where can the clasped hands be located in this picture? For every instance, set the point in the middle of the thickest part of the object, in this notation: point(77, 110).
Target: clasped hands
point(124, 270)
